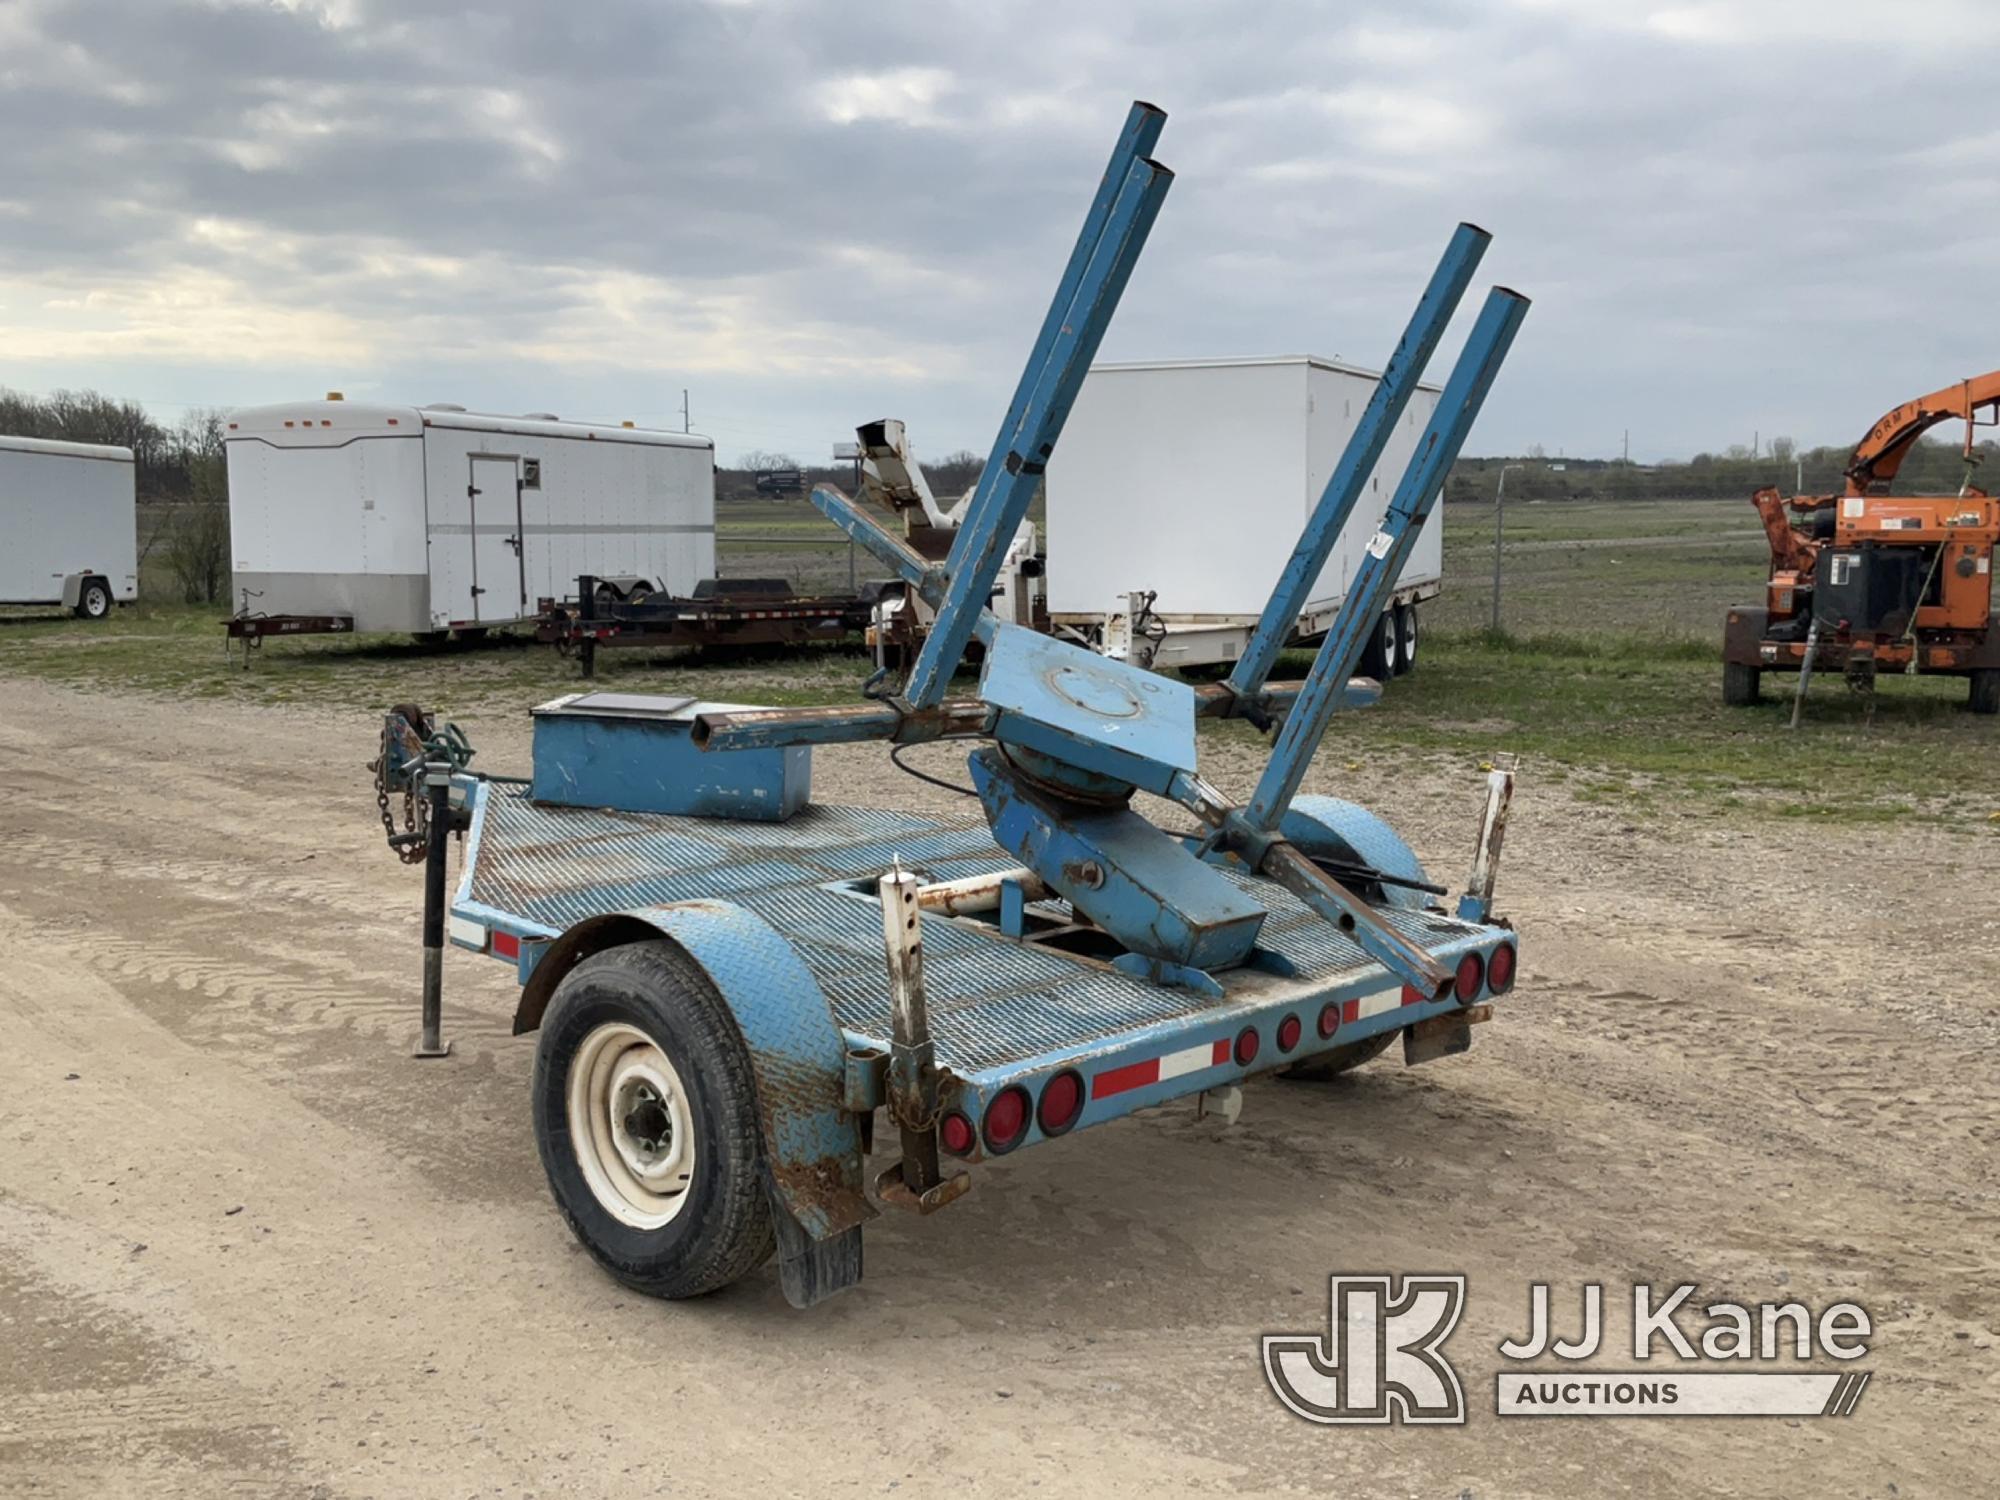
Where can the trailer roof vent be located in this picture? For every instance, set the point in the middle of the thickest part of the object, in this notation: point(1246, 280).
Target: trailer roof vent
point(540, 416)
point(444, 406)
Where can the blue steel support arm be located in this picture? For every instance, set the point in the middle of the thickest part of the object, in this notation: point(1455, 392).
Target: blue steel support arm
point(1364, 450)
point(1437, 450)
point(1013, 472)
point(918, 571)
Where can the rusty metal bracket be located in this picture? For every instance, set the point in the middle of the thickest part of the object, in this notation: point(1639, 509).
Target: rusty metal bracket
point(1477, 902)
point(914, 1083)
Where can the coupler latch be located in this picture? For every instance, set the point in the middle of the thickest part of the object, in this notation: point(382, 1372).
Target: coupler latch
point(916, 1182)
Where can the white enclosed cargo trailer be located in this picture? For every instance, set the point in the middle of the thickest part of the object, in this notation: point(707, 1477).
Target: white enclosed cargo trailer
point(431, 518)
point(69, 519)
point(1234, 453)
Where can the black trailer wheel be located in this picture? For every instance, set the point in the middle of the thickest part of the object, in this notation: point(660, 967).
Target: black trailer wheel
point(1378, 657)
point(1985, 695)
point(1332, 1064)
point(646, 1118)
point(1739, 684)
point(1406, 639)
point(93, 600)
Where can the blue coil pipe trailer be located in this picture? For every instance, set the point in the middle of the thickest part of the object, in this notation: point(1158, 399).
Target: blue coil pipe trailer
point(731, 982)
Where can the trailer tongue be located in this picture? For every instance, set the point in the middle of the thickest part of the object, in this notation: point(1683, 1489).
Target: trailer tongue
point(730, 981)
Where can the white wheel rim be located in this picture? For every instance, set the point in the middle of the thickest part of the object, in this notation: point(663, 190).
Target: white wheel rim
point(1410, 637)
point(630, 1126)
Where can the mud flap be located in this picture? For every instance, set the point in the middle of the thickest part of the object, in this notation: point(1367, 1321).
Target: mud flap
point(1440, 1036)
point(813, 1270)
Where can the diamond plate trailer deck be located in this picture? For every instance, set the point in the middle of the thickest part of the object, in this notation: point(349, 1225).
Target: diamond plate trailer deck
point(1003, 1011)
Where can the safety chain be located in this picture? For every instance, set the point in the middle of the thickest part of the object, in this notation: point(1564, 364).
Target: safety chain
point(407, 742)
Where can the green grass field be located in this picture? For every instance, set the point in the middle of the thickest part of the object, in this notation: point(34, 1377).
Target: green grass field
point(1606, 675)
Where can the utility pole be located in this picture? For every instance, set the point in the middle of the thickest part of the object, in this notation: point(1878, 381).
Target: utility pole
point(1499, 512)
point(685, 421)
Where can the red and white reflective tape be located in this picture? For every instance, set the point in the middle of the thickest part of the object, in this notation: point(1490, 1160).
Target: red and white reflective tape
point(472, 935)
point(1378, 1004)
point(1159, 1069)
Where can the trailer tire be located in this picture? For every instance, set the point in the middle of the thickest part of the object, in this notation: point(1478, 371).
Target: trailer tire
point(1378, 656)
point(1984, 697)
point(93, 600)
point(1739, 684)
point(1338, 1060)
point(665, 1085)
point(1406, 639)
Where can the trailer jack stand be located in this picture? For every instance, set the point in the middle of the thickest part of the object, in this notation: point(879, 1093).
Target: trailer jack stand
point(917, 1182)
point(437, 786)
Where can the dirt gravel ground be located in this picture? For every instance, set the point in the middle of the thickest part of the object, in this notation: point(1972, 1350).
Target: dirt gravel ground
point(248, 1247)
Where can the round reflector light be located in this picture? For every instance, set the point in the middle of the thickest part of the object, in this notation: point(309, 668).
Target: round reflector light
point(1246, 1046)
point(1062, 1103)
point(1288, 1033)
point(955, 1134)
point(1007, 1119)
point(1329, 1019)
point(1471, 970)
point(1500, 969)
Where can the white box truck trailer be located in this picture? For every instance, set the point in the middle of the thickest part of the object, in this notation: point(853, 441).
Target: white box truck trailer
point(345, 515)
point(1234, 452)
point(68, 513)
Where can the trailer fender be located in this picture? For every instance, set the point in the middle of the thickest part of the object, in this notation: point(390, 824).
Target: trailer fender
point(1348, 831)
point(797, 1054)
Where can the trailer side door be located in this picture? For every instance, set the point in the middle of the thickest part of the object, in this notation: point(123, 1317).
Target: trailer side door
point(494, 489)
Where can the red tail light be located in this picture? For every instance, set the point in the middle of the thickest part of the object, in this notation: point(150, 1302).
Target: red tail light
point(955, 1134)
point(1329, 1018)
point(1288, 1033)
point(1246, 1046)
point(1471, 970)
point(1007, 1119)
point(1062, 1103)
point(1500, 969)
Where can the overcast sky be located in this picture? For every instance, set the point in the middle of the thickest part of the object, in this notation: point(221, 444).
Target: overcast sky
point(1768, 217)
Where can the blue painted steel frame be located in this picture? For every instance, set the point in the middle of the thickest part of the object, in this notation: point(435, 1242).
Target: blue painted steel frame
point(800, 1051)
point(1464, 393)
point(1357, 461)
point(976, 1092)
point(1120, 218)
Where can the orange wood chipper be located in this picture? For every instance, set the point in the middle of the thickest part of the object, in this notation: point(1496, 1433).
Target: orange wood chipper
point(1865, 581)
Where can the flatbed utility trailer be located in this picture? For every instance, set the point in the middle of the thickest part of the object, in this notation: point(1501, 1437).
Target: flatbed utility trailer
point(721, 612)
point(732, 985)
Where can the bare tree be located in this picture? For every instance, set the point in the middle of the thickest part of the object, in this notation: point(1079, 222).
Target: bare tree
point(198, 550)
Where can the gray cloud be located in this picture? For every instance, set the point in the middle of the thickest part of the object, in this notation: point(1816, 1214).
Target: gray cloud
point(1731, 217)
